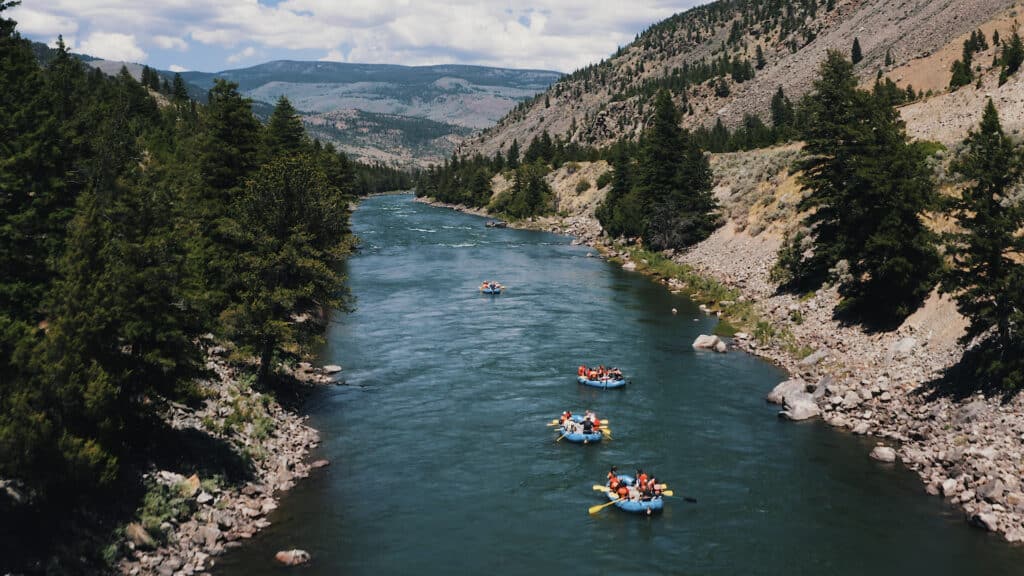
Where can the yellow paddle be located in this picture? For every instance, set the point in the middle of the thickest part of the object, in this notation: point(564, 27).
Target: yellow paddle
point(599, 507)
point(667, 493)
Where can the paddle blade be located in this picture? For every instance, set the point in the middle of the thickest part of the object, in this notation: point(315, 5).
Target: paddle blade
point(668, 493)
point(600, 488)
point(599, 507)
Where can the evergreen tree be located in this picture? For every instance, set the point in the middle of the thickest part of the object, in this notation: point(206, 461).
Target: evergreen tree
point(986, 276)
point(290, 228)
point(759, 58)
point(179, 92)
point(888, 57)
point(673, 182)
point(783, 116)
point(285, 134)
point(855, 53)
point(513, 154)
point(1013, 57)
point(868, 188)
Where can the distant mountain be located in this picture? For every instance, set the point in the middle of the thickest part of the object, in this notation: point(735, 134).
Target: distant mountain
point(410, 115)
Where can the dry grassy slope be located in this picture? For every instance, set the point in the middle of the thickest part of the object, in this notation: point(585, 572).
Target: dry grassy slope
point(911, 29)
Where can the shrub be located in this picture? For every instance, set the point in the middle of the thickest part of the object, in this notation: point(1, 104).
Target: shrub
point(604, 179)
point(582, 186)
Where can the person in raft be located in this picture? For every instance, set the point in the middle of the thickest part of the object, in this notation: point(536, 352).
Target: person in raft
point(599, 374)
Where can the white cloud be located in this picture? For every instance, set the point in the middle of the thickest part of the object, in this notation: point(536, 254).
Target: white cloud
point(333, 56)
point(113, 46)
point(177, 68)
point(43, 23)
point(170, 43)
point(553, 34)
point(248, 52)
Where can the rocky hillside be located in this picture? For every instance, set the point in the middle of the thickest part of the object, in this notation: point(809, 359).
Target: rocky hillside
point(397, 114)
point(708, 57)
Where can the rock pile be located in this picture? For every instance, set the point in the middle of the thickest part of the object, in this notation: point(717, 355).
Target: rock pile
point(225, 516)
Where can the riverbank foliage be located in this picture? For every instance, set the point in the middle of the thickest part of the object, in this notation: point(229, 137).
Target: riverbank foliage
point(662, 191)
point(869, 188)
point(132, 228)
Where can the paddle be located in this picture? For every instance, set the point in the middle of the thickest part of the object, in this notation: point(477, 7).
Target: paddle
point(599, 507)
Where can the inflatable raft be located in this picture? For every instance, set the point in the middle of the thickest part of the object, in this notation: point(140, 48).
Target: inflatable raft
point(648, 507)
point(580, 437)
point(489, 290)
point(601, 383)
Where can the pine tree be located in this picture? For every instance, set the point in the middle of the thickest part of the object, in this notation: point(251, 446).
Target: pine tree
point(855, 54)
point(888, 57)
point(868, 188)
point(513, 155)
point(986, 276)
point(759, 58)
point(179, 92)
point(1013, 57)
point(290, 228)
point(783, 116)
point(285, 134)
point(673, 182)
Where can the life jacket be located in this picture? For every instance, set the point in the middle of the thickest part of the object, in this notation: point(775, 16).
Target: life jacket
point(613, 482)
point(592, 375)
point(565, 416)
point(641, 481)
point(623, 492)
point(582, 370)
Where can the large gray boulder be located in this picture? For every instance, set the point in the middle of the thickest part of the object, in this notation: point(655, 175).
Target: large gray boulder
point(292, 557)
point(883, 454)
point(800, 407)
point(791, 386)
point(706, 342)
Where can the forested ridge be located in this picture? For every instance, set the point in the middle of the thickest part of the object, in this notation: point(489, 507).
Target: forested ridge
point(138, 229)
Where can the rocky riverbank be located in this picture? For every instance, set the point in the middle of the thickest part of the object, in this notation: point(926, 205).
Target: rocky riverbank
point(888, 385)
point(188, 520)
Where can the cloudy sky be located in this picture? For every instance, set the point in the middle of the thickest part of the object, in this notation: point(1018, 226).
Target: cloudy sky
point(213, 35)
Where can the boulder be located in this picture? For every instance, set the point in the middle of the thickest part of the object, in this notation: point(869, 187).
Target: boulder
point(332, 369)
point(814, 358)
point(851, 400)
point(204, 497)
point(883, 454)
point(210, 534)
point(992, 491)
point(800, 407)
point(949, 487)
point(904, 347)
point(138, 536)
point(292, 557)
point(321, 463)
point(987, 520)
point(706, 342)
point(970, 412)
point(861, 428)
point(791, 386)
point(741, 336)
point(721, 347)
point(629, 266)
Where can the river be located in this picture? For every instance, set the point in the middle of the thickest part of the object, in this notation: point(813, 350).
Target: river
point(442, 463)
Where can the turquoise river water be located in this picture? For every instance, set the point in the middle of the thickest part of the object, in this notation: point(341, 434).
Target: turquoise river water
point(442, 463)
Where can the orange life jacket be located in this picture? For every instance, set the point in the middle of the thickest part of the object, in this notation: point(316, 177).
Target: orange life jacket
point(592, 375)
point(582, 370)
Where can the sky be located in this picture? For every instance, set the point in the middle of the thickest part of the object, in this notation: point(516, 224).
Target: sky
point(215, 35)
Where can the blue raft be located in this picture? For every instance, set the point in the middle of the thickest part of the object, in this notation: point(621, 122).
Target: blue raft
point(648, 507)
point(489, 290)
point(580, 437)
point(601, 383)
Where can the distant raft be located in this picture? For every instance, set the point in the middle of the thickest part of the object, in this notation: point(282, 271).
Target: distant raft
point(602, 383)
point(489, 290)
point(580, 437)
point(654, 504)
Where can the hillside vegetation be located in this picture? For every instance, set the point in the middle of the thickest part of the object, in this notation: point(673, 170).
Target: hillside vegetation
point(725, 60)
